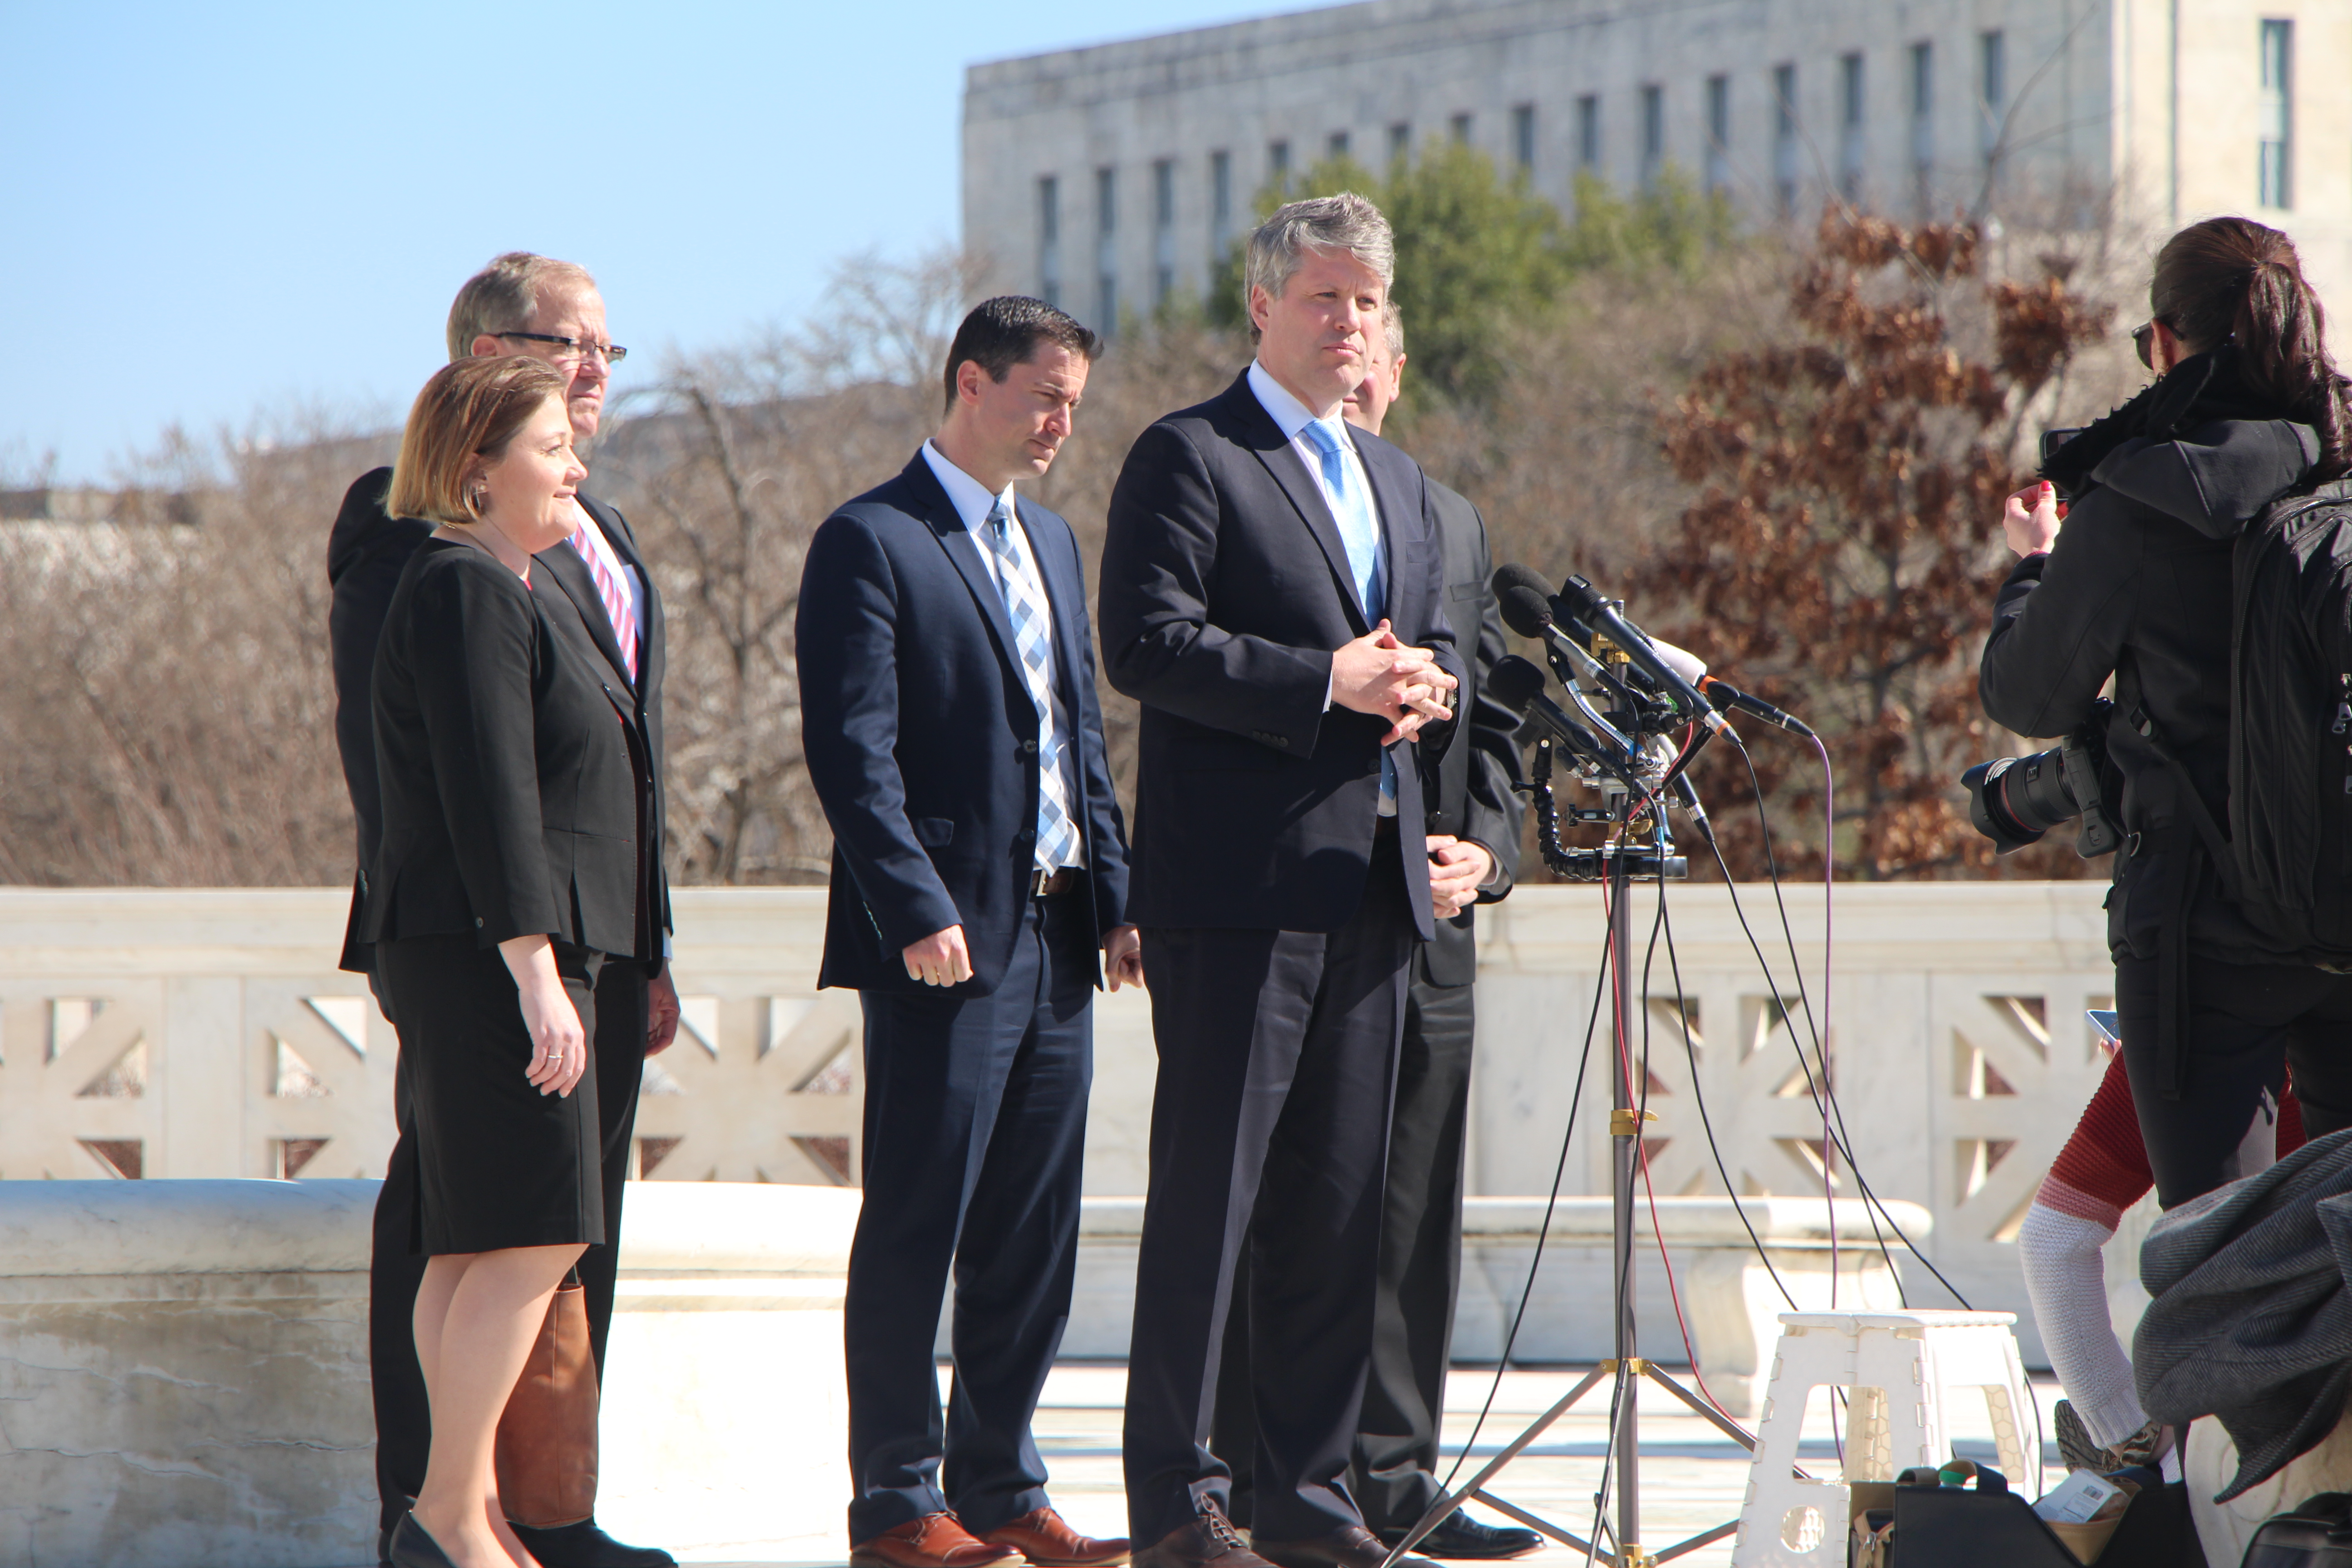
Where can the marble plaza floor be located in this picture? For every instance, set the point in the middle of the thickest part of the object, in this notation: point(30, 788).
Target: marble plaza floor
point(1692, 1475)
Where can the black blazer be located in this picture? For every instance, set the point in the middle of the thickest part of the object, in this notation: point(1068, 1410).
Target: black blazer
point(511, 766)
point(560, 576)
point(921, 738)
point(1224, 590)
point(1476, 774)
point(365, 553)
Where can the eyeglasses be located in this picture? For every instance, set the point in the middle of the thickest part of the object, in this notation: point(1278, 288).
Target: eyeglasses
point(576, 350)
point(2144, 340)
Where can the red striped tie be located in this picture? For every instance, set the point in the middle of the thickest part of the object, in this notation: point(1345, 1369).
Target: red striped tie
point(616, 604)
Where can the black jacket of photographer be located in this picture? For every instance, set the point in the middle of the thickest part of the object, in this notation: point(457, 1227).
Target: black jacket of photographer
point(2137, 585)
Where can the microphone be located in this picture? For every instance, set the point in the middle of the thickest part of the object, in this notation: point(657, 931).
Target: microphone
point(1587, 604)
point(1518, 685)
point(1526, 611)
point(1724, 695)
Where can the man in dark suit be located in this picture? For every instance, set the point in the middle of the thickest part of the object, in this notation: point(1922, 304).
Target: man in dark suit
point(1474, 850)
point(1267, 575)
point(953, 733)
point(552, 310)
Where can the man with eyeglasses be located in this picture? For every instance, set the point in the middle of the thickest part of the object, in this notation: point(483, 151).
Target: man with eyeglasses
point(551, 310)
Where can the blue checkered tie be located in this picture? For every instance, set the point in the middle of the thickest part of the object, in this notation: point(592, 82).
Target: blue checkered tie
point(1359, 533)
point(1024, 606)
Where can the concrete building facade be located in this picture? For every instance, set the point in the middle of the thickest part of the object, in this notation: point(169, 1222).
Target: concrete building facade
point(1109, 178)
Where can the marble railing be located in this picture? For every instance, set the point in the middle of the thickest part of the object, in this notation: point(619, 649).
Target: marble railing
point(206, 1033)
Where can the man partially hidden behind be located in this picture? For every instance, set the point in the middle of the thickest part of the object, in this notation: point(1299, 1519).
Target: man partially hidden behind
point(950, 725)
point(1272, 594)
point(551, 310)
point(1474, 848)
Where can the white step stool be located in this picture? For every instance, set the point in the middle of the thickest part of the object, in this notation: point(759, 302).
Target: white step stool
point(1899, 1371)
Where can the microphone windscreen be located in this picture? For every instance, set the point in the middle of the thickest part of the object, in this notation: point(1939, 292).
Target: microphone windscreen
point(1512, 575)
point(1525, 610)
point(1515, 683)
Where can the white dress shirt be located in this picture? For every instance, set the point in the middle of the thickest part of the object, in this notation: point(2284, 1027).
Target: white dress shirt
point(972, 503)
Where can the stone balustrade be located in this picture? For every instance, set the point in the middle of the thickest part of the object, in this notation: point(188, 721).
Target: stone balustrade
point(205, 1033)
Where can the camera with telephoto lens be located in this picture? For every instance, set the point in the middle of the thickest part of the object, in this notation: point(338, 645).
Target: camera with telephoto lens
point(2013, 801)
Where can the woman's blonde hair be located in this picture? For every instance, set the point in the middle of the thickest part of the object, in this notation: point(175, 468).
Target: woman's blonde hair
point(461, 424)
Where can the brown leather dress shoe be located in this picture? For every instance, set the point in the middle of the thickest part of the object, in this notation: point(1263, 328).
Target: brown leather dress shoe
point(1046, 1539)
point(934, 1541)
point(1349, 1546)
point(1209, 1539)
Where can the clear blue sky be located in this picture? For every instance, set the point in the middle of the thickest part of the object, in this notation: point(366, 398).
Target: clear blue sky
point(214, 214)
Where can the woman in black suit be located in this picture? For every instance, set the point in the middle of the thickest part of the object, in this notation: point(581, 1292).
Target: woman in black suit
point(509, 866)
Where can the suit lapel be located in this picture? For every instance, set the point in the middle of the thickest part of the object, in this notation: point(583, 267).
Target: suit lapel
point(563, 564)
point(963, 550)
point(1289, 470)
point(624, 541)
point(1390, 493)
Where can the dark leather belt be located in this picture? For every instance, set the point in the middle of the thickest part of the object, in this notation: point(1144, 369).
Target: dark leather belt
point(1050, 884)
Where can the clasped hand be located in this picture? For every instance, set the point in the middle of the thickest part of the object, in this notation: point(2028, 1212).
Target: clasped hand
point(1379, 675)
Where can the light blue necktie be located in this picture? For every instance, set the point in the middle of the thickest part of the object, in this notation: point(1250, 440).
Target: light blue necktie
point(1024, 606)
point(1360, 533)
point(1352, 508)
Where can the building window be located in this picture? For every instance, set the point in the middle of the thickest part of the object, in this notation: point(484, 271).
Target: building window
point(1220, 205)
point(1460, 126)
point(1718, 133)
point(2278, 115)
point(1400, 140)
point(1163, 230)
point(1653, 134)
point(1784, 138)
point(1850, 121)
point(1992, 92)
point(1278, 165)
point(1923, 125)
point(1336, 146)
point(1588, 133)
point(1523, 137)
point(1107, 251)
point(1049, 239)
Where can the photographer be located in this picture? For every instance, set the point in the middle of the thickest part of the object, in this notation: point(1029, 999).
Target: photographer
point(2246, 407)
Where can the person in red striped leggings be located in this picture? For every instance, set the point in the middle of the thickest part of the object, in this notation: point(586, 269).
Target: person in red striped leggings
point(2101, 1172)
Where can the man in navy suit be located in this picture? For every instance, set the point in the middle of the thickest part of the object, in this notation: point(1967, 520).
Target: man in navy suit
point(1272, 594)
point(951, 730)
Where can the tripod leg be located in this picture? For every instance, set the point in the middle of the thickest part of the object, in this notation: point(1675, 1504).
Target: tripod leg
point(1438, 1510)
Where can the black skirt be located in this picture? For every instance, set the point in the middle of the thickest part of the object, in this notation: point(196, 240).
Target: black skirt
point(499, 1164)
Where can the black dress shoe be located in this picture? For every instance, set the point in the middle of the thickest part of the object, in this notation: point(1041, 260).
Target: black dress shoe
point(1459, 1538)
point(1349, 1546)
point(582, 1545)
point(411, 1547)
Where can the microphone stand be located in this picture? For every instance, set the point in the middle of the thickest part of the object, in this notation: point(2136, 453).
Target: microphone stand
point(1619, 863)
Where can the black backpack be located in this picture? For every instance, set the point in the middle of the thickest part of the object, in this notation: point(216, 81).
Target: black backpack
point(2317, 1535)
point(2290, 725)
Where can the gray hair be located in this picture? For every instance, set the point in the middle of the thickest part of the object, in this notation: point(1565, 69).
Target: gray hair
point(505, 295)
point(1345, 222)
point(1393, 327)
